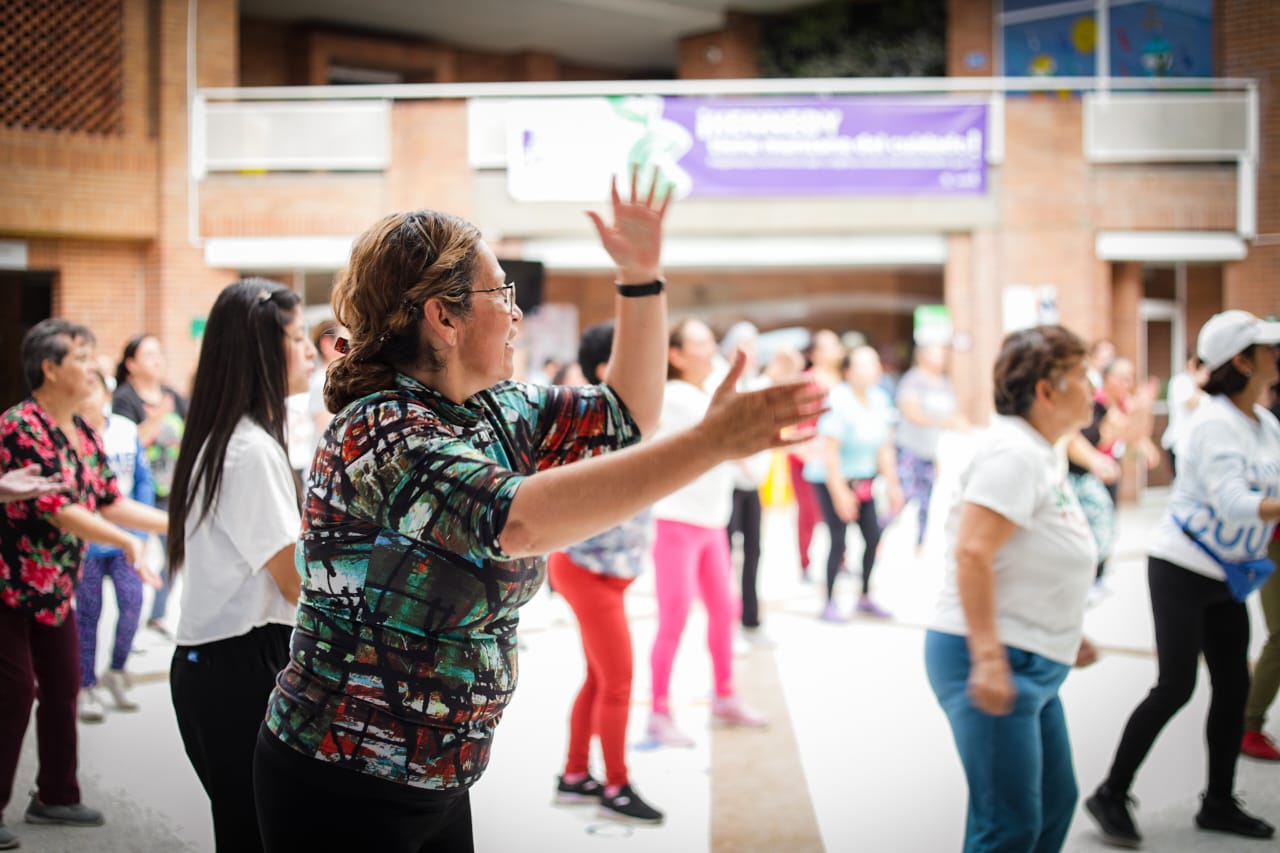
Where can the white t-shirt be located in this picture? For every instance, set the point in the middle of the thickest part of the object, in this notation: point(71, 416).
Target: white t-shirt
point(708, 500)
point(226, 592)
point(1182, 390)
point(1043, 571)
point(1227, 463)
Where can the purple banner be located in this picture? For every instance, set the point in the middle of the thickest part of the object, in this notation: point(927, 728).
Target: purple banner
point(830, 146)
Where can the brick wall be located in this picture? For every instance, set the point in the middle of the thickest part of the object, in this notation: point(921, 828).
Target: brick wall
point(1248, 35)
point(970, 37)
point(726, 54)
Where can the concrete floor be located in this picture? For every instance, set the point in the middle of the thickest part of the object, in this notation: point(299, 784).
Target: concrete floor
point(858, 742)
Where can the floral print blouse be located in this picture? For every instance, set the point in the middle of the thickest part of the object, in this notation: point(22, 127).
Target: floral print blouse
point(39, 561)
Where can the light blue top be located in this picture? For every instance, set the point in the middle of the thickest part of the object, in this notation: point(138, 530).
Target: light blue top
point(861, 427)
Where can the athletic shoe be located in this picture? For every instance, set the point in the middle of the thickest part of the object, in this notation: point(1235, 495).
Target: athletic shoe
point(1260, 746)
point(1111, 812)
point(117, 683)
point(91, 709)
point(663, 731)
point(729, 711)
point(869, 607)
point(758, 638)
point(585, 790)
point(76, 814)
point(627, 806)
point(1223, 814)
point(8, 840)
point(831, 613)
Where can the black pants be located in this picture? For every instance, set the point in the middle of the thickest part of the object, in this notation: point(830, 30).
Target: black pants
point(220, 693)
point(746, 520)
point(369, 813)
point(868, 525)
point(1193, 614)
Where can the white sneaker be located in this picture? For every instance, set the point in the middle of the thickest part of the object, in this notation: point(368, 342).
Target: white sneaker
point(664, 732)
point(758, 638)
point(117, 683)
point(91, 709)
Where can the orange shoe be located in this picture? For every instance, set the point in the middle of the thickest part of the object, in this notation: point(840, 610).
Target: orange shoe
point(1258, 745)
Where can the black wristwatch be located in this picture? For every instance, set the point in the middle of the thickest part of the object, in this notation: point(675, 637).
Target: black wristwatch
point(649, 288)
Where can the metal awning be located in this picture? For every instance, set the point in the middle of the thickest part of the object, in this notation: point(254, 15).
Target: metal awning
point(1170, 246)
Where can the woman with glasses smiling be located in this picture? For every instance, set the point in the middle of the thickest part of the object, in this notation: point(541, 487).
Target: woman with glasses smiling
point(436, 491)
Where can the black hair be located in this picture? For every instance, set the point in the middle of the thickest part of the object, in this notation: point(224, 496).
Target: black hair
point(1227, 379)
point(594, 349)
point(242, 371)
point(130, 351)
point(49, 340)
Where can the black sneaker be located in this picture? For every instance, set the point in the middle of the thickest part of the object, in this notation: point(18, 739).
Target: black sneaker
point(1111, 812)
point(586, 791)
point(626, 805)
point(75, 814)
point(1225, 815)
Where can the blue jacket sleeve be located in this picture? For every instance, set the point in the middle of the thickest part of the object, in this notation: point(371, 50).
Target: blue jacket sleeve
point(144, 485)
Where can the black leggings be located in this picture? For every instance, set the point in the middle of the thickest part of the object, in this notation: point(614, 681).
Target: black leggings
point(746, 520)
point(1193, 614)
point(293, 792)
point(868, 525)
point(220, 692)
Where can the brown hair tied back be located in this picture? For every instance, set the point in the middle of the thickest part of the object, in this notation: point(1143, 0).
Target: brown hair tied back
point(1026, 357)
point(396, 266)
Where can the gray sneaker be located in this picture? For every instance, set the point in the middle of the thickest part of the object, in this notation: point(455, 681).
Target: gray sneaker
point(117, 682)
point(89, 705)
point(76, 814)
point(8, 841)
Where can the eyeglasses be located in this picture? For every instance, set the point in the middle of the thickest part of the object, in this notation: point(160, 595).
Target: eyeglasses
point(509, 293)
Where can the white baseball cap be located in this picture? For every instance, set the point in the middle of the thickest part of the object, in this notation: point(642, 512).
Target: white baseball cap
point(1232, 332)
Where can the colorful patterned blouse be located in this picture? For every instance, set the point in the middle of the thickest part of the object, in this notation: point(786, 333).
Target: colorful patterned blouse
point(404, 655)
point(39, 561)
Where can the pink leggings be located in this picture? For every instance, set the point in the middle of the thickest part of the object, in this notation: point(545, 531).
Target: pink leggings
point(685, 557)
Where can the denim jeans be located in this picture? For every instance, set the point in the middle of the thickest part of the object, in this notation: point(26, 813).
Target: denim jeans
point(1022, 785)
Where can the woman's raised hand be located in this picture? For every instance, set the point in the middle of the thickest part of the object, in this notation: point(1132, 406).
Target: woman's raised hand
point(742, 423)
point(634, 240)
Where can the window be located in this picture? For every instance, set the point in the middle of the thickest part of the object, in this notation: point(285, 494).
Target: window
point(1144, 38)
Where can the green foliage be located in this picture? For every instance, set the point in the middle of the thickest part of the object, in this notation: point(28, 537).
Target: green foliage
point(857, 38)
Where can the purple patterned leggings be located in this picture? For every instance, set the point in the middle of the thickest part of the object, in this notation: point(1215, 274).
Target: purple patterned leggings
point(128, 588)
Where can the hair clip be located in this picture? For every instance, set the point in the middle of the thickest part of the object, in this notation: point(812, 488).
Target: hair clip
point(341, 344)
point(263, 295)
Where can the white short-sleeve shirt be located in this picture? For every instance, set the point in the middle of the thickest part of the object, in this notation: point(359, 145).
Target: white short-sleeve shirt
point(226, 592)
point(1043, 571)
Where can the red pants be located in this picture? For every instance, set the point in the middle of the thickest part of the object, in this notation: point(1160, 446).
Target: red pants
point(808, 514)
point(39, 662)
point(604, 701)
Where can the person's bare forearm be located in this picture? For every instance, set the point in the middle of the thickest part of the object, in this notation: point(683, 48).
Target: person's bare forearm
point(561, 506)
point(638, 363)
point(127, 512)
point(83, 524)
point(975, 584)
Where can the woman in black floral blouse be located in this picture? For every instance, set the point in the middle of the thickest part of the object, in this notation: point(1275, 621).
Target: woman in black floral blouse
point(42, 544)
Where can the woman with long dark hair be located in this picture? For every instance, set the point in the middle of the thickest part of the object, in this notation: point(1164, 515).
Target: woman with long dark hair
point(233, 524)
point(1203, 558)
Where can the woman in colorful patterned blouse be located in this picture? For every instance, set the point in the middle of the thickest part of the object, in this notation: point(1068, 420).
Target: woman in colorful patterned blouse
point(42, 545)
point(435, 492)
